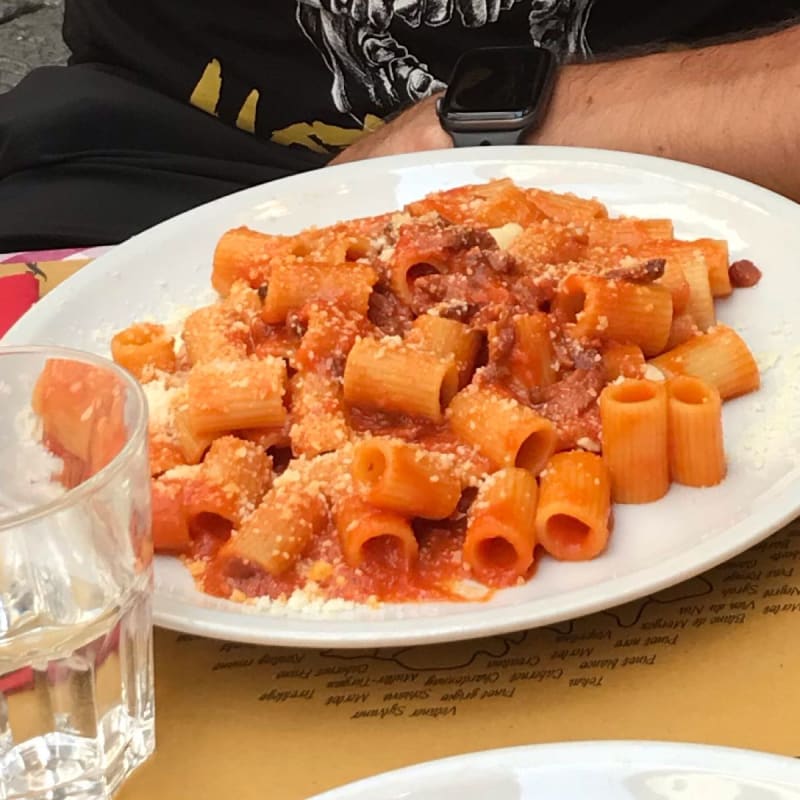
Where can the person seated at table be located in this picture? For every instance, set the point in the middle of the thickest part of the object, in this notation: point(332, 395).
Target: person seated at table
point(167, 105)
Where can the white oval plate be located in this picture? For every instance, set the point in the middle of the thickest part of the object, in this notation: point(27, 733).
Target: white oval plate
point(653, 546)
point(596, 770)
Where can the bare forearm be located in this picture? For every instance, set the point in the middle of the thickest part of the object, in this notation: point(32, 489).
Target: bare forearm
point(734, 107)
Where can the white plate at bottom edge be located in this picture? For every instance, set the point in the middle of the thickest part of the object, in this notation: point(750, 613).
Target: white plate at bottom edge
point(583, 770)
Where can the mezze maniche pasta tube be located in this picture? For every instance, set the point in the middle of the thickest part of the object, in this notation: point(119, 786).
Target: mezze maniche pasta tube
point(533, 355)
point(719, 357)
point(389, 375)
point(445, 338)
point(144, 346)
point(192, 445)
point(229, 395)
point(633, 414)
point(505, 431)
point(280, 530)
point(572, 518)
point(404, 477)
point(211, 334)
point(366, 533)
point(318, 420)
point(501, 534)
point(616, 310)
point(170, 525)
point(696, 452)
point(291, 286)
point(230, 482)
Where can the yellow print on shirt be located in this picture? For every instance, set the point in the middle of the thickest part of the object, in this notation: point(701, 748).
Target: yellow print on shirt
point(317, 136)
point(321, 137)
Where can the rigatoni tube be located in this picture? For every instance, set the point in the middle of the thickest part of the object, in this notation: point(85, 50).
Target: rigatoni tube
point(444, 337)
point(277, 534)
point(318, 418)
point(389, 375)
point(244, 254)
point(293, 285)
point(701, 300)
point(230, 482)
point(210, 334)
point(533, 356)
point(572, 518)
point(717, 258)
point(144, 346)
point(616, 310)
point(367, 533)
point(229, 395)
point(501, 533)
point(696, 451)
point(627, 231)
point(633, 415)
point(508, 433)
point(625, 360)
point(719, 357)
point(412, 259)
point(192, 445)
point(170, 525)
point(404, 477)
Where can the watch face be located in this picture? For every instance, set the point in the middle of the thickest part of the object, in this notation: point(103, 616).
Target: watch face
point(505, 81)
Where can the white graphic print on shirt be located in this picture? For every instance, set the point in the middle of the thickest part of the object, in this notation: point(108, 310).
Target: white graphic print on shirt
point(371, 69)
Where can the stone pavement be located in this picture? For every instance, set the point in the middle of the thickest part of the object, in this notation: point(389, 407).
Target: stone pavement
point(30, 36)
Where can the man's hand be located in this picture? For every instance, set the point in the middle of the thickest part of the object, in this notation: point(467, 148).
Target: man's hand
point(414, 130)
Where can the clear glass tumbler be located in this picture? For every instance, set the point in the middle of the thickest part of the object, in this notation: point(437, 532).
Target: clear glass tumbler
point(76, 663)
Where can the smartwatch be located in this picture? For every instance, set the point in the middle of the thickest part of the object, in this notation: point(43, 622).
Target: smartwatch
point(497, 94)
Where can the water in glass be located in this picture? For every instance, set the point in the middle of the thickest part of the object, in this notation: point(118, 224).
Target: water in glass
point(76, 674)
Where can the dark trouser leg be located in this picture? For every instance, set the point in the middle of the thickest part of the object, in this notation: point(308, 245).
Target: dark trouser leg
point(90, 157)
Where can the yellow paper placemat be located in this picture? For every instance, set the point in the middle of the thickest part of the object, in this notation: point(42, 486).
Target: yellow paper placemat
point(711, 660)
point(49, 273)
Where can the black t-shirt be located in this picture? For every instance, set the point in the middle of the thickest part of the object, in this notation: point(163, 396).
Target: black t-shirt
point(317, 73)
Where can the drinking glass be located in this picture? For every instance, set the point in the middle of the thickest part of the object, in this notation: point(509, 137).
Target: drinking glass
point(76, 664)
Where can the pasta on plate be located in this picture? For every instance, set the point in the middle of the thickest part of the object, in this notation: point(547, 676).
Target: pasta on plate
point(421, 405)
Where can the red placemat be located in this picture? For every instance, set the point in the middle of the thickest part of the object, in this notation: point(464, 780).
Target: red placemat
point(26, 277)
point(17, 294)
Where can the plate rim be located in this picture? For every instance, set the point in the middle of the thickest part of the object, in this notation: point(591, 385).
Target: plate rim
point(610, 749)
point(437, 630)
point(510, 153)
point(230, 623)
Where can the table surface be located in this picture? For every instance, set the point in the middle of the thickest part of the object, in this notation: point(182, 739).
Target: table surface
point(710, 660)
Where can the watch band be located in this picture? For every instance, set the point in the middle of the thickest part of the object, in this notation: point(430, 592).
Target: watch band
point(478, 138)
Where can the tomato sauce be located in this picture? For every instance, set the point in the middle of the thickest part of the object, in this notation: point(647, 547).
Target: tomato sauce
point(438, 259)
point(383, 574)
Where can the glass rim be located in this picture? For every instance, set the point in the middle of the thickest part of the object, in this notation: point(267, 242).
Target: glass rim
point(110, 470)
